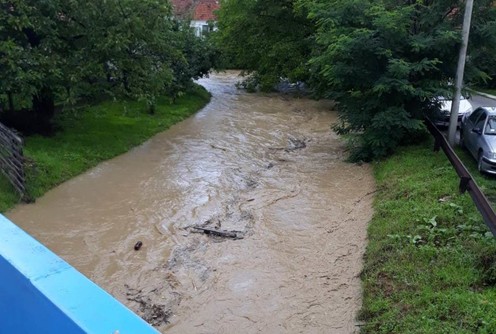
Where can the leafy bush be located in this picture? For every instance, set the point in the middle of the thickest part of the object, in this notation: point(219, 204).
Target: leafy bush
point(270, 39)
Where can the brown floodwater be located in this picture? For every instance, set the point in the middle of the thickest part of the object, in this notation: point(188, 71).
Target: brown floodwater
point(267, 168)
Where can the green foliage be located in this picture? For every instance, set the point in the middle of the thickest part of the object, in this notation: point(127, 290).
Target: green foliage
point(200, 56)
point(65, 51)
point(271, 39)
point(430, 263)
point(8, 195)
point(482, 46)
point(384, 62)
point(129, 46)
point(89, 135)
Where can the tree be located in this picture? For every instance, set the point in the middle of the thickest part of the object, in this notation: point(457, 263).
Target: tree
point(57, 50)
point(385, 62)
point(199, 56)
point(482, 45)
point(30, 62)
point(270, 39)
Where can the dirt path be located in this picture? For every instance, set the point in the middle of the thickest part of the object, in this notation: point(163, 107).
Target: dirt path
point(265, 168)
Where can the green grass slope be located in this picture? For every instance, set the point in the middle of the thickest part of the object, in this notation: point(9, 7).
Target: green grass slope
point(430, 265)
point(90, 135)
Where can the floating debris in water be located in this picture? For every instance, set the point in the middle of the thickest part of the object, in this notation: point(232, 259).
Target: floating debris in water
point(220, 233)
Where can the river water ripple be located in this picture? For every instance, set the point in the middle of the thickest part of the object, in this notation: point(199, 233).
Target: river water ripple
point(267, 167)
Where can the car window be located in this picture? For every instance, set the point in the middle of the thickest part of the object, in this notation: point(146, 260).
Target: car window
point(480, 121)
point(490, 126)
point(473, 117)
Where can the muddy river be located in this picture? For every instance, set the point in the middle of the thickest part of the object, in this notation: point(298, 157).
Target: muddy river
point(265, 169)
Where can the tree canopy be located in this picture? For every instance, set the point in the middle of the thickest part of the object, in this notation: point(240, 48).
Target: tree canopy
point(482, 46)
point(271, 39)
point(385, 62)
point(58, 50)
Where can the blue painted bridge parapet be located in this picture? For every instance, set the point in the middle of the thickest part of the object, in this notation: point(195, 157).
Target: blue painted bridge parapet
point(41, 293)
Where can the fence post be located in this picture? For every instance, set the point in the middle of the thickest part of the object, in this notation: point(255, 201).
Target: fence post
point(464, 184)
point(12, 159)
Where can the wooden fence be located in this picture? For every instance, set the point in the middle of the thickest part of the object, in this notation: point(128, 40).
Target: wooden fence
point(12, 159)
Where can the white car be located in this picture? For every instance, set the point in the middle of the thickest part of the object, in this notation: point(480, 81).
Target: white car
point(442, 119)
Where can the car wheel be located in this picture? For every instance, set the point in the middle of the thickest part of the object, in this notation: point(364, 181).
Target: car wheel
point(479, 162)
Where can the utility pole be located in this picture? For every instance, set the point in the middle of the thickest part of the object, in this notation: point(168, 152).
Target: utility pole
point(455, 106)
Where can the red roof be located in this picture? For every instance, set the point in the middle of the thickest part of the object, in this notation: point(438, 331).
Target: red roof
point(195, 9)
point(204, 11)
point(182, 7)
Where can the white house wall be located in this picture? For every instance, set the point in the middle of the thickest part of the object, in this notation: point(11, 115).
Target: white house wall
point(197, 25)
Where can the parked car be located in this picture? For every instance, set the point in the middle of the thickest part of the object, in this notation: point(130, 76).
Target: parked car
point(442, 118)
point(478, 136)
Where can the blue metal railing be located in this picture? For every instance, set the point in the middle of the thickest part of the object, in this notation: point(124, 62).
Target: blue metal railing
point(41, 293)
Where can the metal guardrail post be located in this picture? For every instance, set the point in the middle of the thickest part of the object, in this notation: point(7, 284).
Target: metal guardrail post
point(437, 144)
point(464, 181)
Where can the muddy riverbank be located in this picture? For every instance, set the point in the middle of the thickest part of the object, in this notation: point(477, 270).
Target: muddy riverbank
point(267, 170)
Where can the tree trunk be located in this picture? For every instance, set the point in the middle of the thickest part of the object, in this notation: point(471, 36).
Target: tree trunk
point(44, 109)
point(11, 102)
point(125, 82)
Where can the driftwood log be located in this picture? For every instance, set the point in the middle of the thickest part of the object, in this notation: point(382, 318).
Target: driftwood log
point(219, 233)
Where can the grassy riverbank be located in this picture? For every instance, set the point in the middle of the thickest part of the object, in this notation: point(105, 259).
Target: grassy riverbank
point(430, 265)
point(90, 135)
